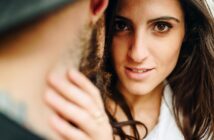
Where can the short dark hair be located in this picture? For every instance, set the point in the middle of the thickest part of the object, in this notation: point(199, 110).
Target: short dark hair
point(15, 13)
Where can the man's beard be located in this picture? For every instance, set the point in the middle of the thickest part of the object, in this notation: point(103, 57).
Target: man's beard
point(86, 54)
point(77, 48)
point(93, 54)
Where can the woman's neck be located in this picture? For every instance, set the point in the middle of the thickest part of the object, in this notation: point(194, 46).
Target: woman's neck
point(148, 101)
point(145, 108)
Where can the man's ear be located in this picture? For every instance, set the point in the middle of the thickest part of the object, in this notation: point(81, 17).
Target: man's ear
point(97, 8)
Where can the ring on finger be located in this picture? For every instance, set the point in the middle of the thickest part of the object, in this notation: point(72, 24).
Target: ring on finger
point(99, 116)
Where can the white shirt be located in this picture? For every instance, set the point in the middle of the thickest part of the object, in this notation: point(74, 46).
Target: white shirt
point(166, 129)
point(211, 5)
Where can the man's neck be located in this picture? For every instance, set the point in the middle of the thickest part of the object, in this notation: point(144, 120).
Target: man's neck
point(22, 88)
point(21, 92)
point(27, 57)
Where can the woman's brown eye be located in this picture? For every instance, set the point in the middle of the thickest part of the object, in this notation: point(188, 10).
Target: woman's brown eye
point(120, 26)
point(162, 27)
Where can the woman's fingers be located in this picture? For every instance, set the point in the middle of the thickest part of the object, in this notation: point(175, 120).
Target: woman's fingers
point(86, 85)
point(74, 114)
point(74, 94)
point(79, 102)
point(66, 130)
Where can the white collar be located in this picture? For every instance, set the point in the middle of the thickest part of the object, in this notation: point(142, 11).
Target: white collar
point(166, 129)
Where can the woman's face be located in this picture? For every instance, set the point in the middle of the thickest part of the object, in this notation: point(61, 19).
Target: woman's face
point(148, 35)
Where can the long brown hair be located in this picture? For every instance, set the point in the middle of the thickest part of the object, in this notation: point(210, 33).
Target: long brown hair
point(192, 80)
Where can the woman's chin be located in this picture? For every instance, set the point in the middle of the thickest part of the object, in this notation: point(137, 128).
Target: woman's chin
point(139, 89)
point(136, 89)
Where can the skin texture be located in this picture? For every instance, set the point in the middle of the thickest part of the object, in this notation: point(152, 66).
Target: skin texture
point(147, 43)
point(148, 34)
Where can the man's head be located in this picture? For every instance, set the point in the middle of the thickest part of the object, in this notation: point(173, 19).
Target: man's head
point(39, 37)
point(58, 29)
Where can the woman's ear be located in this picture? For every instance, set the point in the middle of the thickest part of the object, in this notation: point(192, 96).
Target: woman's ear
point(97, 8)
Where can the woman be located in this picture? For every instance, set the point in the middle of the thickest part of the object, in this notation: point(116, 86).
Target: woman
point(160, 54)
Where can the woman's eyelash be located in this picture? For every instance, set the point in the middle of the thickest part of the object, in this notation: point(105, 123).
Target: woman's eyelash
point(121, 25)
point(162, 26)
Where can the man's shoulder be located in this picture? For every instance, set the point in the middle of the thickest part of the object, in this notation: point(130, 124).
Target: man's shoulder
point(10, 130)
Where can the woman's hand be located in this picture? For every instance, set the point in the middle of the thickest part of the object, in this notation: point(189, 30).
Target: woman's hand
point(80, 113)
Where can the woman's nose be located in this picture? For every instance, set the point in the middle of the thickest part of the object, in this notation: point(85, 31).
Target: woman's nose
point(138, 50)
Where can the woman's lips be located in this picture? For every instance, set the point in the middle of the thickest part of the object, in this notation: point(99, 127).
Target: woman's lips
point(137, 73)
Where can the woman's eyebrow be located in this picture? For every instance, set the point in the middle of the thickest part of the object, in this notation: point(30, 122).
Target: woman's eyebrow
point(123, 18)
point(118, 17)
point(164, 18)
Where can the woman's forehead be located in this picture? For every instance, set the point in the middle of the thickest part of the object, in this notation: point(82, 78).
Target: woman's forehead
point(150, 8)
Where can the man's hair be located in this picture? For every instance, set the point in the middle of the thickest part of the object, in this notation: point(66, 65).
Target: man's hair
point(15, 14)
